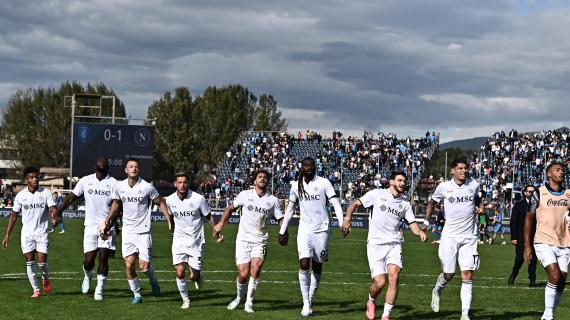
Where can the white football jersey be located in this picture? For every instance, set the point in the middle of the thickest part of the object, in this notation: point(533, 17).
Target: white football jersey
point(254, 214)
point(98, 195)
point(387, 214)
point(34, 208)
point(313, 204)
point(136, 204)
point(459, 207)
point(188, 216)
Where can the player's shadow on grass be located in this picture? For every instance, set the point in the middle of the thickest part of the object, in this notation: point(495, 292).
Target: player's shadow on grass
point(407, 313)
point(332, 307)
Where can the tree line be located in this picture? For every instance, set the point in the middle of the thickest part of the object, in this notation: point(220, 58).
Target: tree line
point(191, 132)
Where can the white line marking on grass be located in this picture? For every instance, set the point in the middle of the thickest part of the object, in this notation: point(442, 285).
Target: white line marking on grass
point(402, 275)
point(15, 276)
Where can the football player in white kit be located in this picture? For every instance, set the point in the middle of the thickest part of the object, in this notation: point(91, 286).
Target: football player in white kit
point(458, 243)
point(311, 193)
point(97, 190)
point(189, 210)
point(257, 205)
point(384, 245)
point(36, 206)
point(135, 196)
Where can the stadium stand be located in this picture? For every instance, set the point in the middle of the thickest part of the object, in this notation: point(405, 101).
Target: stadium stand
point(352, 164)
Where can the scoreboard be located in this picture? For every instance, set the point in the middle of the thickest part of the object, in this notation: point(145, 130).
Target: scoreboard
point(114, 142)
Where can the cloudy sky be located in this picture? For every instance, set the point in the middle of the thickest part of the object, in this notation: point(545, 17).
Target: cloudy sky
point(464, 68)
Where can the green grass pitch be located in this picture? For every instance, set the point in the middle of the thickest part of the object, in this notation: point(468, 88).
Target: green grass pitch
point(342, 294)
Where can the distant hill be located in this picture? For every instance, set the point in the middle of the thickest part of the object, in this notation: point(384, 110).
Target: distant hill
point(467, 144)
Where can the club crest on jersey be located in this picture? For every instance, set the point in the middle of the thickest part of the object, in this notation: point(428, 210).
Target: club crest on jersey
point(90, 191)
point(400, 206)
point(124, 199)
point(316, 188)
point(26, 206)
point(250, 207)
point(191, 205)
point(383, 207)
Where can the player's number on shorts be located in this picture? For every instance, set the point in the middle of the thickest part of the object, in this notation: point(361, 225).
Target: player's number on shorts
point(325, 255)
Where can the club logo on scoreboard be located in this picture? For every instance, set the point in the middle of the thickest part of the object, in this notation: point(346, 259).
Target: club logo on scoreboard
point(83, 133)
point(142, 137)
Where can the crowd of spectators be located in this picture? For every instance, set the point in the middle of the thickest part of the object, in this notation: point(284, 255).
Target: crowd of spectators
point(513, 160)
point(363, 162)
point(7, 195)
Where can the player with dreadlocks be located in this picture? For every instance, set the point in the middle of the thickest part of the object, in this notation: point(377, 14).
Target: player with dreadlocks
point(311, 193)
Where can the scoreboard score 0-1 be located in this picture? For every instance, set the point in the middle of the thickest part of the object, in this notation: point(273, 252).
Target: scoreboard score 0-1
point(115, 142)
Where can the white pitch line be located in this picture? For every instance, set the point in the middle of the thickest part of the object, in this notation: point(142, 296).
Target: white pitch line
point(402, 275)
point(286, 282)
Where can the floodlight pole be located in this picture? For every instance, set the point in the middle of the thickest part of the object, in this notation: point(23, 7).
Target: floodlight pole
point(73, 104)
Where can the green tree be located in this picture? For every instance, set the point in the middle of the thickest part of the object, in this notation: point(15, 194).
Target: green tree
point(220, 116)
point(37, 126)
point(174, 147)
point(267, 116)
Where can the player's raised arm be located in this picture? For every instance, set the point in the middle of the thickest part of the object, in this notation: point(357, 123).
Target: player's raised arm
point(345, 228)
point(9, 228)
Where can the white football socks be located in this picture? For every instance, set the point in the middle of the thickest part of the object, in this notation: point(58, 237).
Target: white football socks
point(31, 271)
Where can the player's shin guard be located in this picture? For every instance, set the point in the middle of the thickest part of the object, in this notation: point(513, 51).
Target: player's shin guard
point(135, 287)
point(466, 296)
point(31, 271)
point(440, 283)
point(550, 298)
point(182, 288)
point(315, 280)
point(251, 288)
point(304, 283)
point(44, 269)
